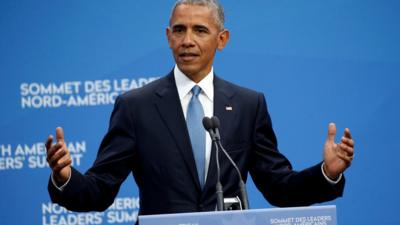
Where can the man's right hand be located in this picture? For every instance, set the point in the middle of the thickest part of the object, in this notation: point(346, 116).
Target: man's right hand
point(58, 157)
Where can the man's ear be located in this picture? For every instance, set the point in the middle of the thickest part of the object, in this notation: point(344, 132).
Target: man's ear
point(168, 32)
point(223, 38)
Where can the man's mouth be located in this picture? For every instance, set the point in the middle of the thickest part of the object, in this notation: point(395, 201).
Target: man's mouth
point(188, 56)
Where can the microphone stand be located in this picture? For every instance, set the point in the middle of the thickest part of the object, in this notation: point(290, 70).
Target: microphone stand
point(207, 123)
point(242, 185)
point(212, 126)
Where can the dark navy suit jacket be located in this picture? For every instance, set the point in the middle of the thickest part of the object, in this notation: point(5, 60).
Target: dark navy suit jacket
point(148, 137)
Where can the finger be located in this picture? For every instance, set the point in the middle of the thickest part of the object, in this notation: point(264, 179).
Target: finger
point(347, 141)
point(60, 134)
point(346, 149)
point(345, 153)
point(62, 163)
point(56, 157)
point(49, 142)
point(347, 159)
point(53, 149)
point(331, 132)
point(347, 133)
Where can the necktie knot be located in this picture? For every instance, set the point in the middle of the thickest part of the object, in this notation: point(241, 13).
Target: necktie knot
point(196, 90)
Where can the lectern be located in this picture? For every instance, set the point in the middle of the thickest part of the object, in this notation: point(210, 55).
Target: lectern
point(313, 215)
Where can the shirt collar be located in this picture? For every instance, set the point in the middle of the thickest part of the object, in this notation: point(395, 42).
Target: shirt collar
point(185, 85)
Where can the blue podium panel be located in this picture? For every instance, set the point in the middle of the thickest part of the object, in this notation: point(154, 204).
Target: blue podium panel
point(315, 215)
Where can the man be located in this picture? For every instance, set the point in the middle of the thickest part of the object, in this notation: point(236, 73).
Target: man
point(163, 145)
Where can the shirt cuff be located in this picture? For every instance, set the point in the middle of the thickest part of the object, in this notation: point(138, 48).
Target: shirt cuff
point(333, 182)
point(62, 187)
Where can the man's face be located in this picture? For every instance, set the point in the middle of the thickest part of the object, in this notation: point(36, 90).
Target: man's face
point(194, 36)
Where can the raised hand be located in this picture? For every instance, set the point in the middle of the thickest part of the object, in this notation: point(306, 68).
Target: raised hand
point(58, 157)
point(337, 156)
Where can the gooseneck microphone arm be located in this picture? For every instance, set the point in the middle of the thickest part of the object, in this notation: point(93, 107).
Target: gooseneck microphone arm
point(242, 185)
point(219, 190)
point(208, 125)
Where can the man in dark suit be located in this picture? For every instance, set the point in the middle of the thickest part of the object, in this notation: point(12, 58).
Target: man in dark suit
point(151, 135)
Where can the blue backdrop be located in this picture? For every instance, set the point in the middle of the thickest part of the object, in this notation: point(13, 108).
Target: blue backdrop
point(63, 62)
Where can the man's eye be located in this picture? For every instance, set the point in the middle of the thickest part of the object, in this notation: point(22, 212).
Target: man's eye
point(201, 31)
point(178, 30)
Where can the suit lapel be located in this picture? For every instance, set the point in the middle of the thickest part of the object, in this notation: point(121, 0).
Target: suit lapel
point(170, 110)
point(224, 105)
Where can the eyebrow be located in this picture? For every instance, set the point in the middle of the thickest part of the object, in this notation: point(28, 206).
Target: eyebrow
point(178, 26)
point(201, 27)
point(197, 26)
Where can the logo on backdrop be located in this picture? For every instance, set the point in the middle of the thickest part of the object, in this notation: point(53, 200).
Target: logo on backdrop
point(123, 210)
point(77, 93)
point(33, 156)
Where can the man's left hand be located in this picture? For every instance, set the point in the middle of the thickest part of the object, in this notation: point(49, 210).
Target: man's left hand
point(337, 156)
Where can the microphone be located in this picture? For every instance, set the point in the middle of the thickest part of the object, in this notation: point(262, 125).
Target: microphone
point(242, 186)
point(215, 126)
point(208, 125)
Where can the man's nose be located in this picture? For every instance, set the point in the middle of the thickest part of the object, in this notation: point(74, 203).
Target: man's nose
point(188, 40)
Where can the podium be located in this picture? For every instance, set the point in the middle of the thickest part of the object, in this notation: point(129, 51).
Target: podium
point(313, 215)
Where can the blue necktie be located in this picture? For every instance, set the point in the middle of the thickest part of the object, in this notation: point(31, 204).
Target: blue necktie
point(197, 134)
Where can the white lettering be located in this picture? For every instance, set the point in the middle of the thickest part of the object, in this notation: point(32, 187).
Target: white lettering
point(69, 87)
point(11, 163)
point(125, 203)
point(97, 86)
point(45, 101)
point(121, 216)
point(5, 150)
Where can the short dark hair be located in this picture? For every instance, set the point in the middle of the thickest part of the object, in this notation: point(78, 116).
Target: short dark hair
point(212, 4)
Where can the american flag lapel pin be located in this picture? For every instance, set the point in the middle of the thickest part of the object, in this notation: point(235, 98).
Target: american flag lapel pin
point(228, 108)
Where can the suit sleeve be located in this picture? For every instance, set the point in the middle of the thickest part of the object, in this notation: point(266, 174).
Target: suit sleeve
point(274, 176)
point(96, 189)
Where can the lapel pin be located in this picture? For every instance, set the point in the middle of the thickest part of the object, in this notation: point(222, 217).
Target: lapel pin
point(228, 108)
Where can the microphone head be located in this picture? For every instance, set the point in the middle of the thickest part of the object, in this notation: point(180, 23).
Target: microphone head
point(207, 123)
point(215, 122)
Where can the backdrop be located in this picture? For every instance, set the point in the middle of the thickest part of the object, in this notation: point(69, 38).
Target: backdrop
point(64, 62)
